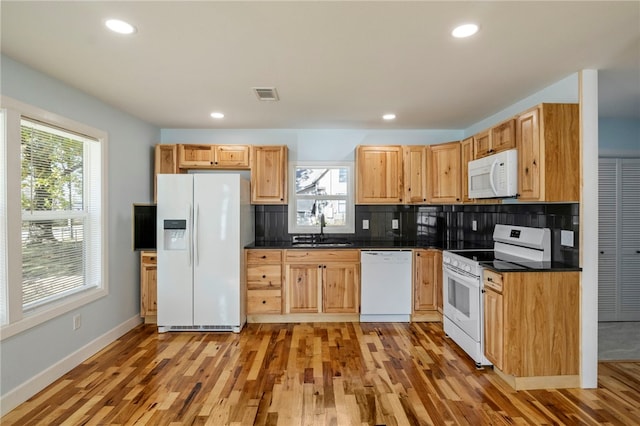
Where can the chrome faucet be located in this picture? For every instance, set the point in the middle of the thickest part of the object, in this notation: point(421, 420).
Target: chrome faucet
point(322, 225)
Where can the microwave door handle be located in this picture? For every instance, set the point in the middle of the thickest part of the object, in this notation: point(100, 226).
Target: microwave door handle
point(492, 174)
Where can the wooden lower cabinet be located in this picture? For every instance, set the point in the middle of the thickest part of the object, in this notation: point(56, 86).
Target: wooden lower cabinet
point(427, 284)
point(532, 328)
point(148, 286)
point(264, 281)
point(322, 281)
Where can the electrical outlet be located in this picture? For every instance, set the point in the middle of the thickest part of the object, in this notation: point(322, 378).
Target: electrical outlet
point(77, 321)
point(566, 238)
point(394, 224)
point(365, 223)
point(474, 225)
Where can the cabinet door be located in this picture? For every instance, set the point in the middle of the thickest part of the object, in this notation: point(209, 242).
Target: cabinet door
point(443, 166)
point(415, 174)
point(269, 175)
point(424, 296)
point(196, 156)
point(148, 284)
point(528, 143)
point(166, 162)
point(232, 156)
point(466, 155)
point(303, 284)
point(503, 136)
point(340, 289)
point(379, 175)
point(493, 328)
point(482, 144)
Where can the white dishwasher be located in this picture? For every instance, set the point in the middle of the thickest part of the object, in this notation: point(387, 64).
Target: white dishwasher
point(385, 286)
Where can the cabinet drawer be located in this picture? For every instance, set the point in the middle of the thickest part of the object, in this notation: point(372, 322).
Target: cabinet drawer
point(493, 280)
point(264, 302)
point(264, 276)
point(322, 255)
point(264, 256)
point(148, 258)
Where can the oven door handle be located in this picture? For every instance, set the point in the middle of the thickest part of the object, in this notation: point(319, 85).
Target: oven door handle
point(465, 279)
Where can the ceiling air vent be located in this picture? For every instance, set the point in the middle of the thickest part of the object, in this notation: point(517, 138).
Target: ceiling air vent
point(266, 93)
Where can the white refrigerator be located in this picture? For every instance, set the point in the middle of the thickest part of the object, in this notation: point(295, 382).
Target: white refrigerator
point(204, 222)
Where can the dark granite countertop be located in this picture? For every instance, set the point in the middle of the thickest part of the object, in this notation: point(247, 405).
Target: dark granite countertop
point(374, 244)
point(496, 265)
point(552, 266)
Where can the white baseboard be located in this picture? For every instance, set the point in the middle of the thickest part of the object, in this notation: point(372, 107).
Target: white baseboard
point(26, 390)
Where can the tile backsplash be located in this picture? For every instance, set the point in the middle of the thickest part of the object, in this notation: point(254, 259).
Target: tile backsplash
point(441, 224)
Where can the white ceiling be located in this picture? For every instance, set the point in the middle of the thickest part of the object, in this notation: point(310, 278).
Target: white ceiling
point(335, 64)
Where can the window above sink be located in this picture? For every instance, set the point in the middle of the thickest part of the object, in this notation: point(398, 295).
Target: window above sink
point(321, 189)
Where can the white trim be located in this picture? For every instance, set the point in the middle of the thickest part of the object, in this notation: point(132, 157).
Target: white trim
point(589, 228)
point(349, 228)
point(18, 320)
point(619, 153)
point(26, 390)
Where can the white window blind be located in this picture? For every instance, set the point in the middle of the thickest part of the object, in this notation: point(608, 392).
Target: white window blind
point(3, 219)
point(60, 197)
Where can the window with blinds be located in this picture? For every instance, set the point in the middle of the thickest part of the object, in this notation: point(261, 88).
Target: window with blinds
point(60, 198)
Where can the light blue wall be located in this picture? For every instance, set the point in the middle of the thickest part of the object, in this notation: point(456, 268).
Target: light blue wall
point(339, 145)
point(566, 90)
point(130, 171)
point(619, 137)
point(312, 145)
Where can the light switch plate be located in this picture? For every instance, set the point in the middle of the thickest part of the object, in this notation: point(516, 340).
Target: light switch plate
point(566, 238)
point(394, 224)
point(365, 223)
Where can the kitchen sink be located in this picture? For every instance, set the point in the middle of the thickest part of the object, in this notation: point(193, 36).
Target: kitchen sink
point(322, 244)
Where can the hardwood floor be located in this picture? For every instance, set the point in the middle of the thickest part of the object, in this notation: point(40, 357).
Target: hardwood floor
point(312, 374)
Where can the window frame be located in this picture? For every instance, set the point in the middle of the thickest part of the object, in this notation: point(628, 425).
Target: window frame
point(350, 215)
point(18, 319)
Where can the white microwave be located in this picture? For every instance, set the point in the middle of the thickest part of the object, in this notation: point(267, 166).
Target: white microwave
point(495, 176)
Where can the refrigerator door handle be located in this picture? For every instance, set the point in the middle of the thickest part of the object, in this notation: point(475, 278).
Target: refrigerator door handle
point(196, 231)
point(189, 230)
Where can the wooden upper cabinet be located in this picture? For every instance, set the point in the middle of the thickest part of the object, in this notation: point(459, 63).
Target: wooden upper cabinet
point(481, 144)
point(269, 174)
point(379, 175)
point(503, 136)
point(498, 138)
point(443, 173)
point(547, 139)
point(466, 155)
point(232, 156)
point(166, 162)
point(415, 174)
point(213, 156)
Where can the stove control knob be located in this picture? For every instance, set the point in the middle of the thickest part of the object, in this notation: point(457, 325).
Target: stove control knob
point(446, 259)
point(455, 263)
point(467, 268)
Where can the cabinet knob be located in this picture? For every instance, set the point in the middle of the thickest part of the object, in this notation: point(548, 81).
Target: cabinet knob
point(264, 302)
point(319, 266)
point(264, 256)
point(264, 276)
point(490, 279)
point(483, 291)
point(417, 254)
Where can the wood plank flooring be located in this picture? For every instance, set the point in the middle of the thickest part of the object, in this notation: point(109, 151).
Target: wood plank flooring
point(312, 374)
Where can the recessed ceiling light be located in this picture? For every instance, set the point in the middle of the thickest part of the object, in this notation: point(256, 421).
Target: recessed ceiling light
point(120, 27)
point(465, 30)
point(217, 115)
point(389, 117)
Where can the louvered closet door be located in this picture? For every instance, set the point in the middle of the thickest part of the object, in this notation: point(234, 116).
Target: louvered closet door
point(608, 305)
point(630, 240)
point(619, 240)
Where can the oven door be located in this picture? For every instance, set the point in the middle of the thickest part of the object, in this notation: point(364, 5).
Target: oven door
point(462, 301)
